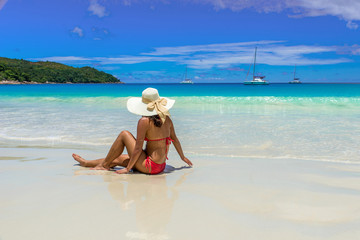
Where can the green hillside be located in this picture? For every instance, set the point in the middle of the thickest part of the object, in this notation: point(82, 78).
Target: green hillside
point(51, 72)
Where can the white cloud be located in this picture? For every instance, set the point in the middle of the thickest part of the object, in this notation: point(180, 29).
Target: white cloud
point(349, 50)
point(156, 73)
point(263, 57)
point(96, 9)
point(132, 59)
point(344, 9)
point(238, 5)
point(2, 3)
point(62, 59)
point(352, 25)
point(348, 10)
point(152, 2)
point(223, 47)
point(78, 31)
point(356, 51)
point(228, 54)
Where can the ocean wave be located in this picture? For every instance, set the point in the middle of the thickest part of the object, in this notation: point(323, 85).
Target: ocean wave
point(271, 100)
point(209, 100)
point(49, 141)
point(68, 100)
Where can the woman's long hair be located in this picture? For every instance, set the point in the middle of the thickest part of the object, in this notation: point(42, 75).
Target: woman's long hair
point(156, 120)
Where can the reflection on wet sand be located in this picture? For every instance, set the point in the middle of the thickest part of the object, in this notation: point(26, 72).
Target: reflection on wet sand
point(152, 198)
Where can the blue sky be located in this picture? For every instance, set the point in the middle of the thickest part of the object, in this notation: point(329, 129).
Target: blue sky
point(153, 41)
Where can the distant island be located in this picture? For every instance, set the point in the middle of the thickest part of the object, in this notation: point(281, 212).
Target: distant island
point(19, 71)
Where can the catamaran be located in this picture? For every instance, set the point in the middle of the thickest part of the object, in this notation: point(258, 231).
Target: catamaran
point(295, 80)
point(186, 80)
point(257, 80)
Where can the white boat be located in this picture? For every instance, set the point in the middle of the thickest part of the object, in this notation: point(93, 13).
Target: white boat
point(256, 80)
point(186, 80)
point(295, 80)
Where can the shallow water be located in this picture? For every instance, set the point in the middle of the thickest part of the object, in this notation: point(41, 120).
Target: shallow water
point(309, 122)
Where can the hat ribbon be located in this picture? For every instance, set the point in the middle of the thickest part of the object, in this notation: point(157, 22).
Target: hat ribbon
point(159, 106)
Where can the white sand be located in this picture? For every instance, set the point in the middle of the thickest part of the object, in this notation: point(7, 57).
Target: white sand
point(45, 196)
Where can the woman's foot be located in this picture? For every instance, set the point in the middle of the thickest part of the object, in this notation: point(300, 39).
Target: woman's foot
point(100, 167)
point(79, 159)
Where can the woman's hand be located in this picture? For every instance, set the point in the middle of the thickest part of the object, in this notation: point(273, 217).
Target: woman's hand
point(122, 171)
point(185, 159)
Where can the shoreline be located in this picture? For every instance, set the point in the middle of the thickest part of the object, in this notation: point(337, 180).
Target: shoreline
point(11, 82)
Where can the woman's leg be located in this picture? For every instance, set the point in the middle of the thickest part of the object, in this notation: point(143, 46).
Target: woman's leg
point(122, 160)
point(115, 157)
point(87, 163)
point(125, 139)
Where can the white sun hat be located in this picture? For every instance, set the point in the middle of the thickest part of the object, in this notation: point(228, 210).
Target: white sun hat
point(150, 104)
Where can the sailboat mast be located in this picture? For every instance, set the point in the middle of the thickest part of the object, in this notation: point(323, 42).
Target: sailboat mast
point(254, 62)
point(294, 71)
point(186, 73)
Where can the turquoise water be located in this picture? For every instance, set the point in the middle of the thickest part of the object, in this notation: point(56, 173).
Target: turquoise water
point(225, 90)
point(318, 122)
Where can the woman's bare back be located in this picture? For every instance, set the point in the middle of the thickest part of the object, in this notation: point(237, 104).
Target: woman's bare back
point(157, 146)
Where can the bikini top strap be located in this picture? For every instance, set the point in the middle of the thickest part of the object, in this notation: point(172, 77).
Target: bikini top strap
point(168, 140)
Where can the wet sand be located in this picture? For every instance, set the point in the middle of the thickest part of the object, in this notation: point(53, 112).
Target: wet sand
point(46, 195)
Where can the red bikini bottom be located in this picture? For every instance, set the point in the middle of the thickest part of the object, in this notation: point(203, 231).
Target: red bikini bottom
point(154, 168)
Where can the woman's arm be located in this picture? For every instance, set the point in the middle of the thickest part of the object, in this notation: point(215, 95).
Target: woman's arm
point(177, 144)
point(142, 127)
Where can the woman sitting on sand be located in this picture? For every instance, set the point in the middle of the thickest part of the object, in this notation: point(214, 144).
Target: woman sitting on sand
point(155, 127)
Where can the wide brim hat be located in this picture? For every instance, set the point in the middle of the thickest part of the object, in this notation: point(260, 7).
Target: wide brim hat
point(140, 105)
